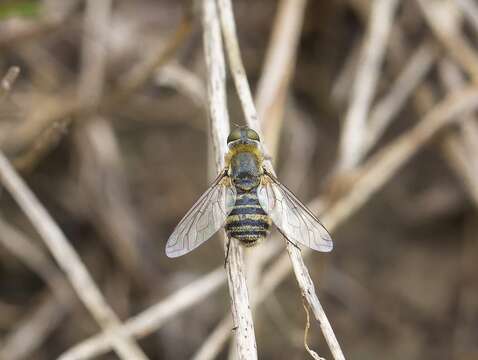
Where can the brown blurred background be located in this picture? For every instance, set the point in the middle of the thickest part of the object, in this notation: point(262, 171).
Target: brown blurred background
point(118, 171)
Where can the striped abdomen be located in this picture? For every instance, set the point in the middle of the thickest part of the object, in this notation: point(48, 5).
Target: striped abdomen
point(247, 222)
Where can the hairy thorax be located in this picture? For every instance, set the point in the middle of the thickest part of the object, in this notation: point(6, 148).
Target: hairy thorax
point(245, 166)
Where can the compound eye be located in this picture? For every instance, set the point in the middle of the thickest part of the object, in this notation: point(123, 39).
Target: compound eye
point(251, 134)
point(234, 135)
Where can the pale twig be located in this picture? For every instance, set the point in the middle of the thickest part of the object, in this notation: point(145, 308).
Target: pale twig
point(380, 167)
point(238, 72)
point(340, 93)
point(184, 81)
point(219, 123)
point(460, 161)
point(278, 69)
point(364, 86)
point(388, 107)
point(461, 149)
point(154, 317)
point(443, 18)
point(211, 347)
point(271, 99)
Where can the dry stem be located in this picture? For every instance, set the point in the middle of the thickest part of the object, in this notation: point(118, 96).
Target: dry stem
point(219, 122)
point(368, 71)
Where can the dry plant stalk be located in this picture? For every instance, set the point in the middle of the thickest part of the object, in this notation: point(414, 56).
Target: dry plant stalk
point(153, 318)
point(68, 260)
point(371, 58)
point(219, 123)
point(278, 68)
point(443, 18)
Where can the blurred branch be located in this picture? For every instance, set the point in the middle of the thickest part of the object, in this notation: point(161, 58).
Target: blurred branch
point(28, 334)
point(373, 174)
point(185, 82)
point(101, 173)
point(470, 10)
point(26, 133)
point(34, 327)
point(33, 257)
point(461, 148)
point(443, 18)
point(364, 86)
point(278, 69)
point(153, 318)
point(228, 25)
point(420, 63)
point(68, 259)
point(213, 344)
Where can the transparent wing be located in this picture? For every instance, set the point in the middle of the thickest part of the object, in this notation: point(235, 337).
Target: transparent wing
point(206, 217)
point(292, 218)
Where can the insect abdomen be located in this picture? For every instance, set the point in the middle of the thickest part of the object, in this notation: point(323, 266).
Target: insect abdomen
point(247, 222)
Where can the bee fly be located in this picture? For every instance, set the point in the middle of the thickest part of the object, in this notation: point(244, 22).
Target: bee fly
point(247, 199)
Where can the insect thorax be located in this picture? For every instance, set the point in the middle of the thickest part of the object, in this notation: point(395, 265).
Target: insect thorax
point(245, 167)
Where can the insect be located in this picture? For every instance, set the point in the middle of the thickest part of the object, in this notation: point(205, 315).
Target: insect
point(247, 199)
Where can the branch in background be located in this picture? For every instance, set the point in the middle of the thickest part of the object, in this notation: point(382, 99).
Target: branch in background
point(34, 258)
point(26, 134)
point(443, 19)
point(211, 347)
point(278, 69)
point(364, 86)
point(68, 260)
point(153, 318)
point(238, 72)
point(40, 323)
point(101, 174)
point(387, 108)
point(461, 149)
point(470, 10)
point(33, 330)
point(219, 123)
